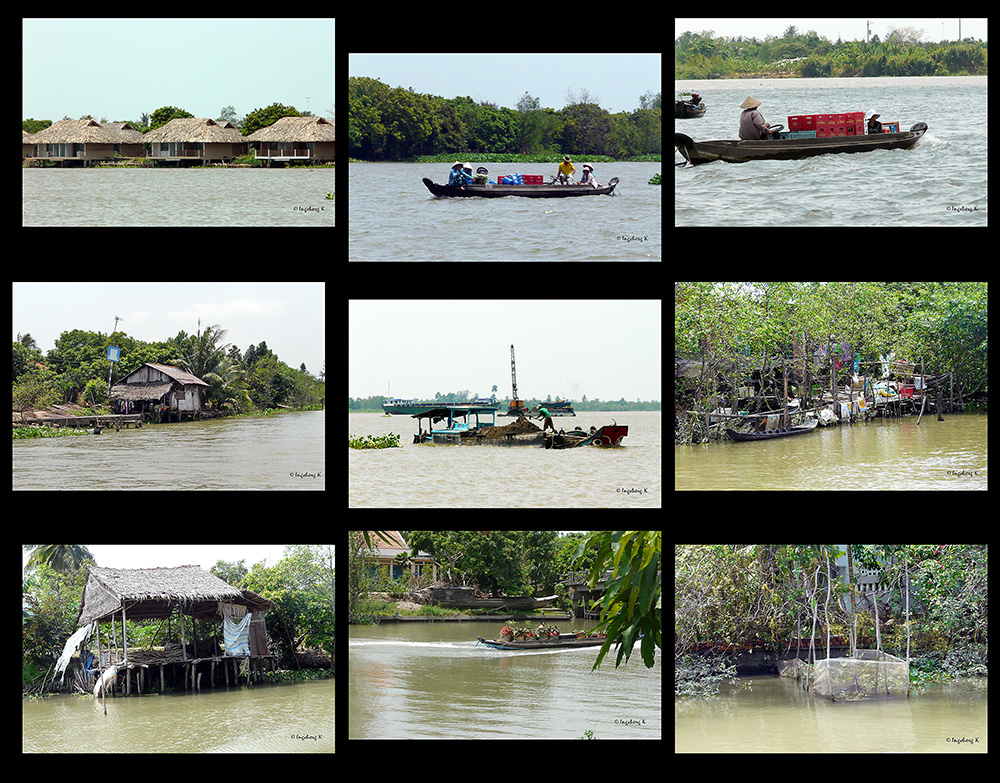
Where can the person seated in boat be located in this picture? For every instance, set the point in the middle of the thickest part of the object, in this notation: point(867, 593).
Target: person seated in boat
point(482, 176)
point(588, 176)
point(752, 125)
point(566, 172)
point(458, 178)
point(874, 126)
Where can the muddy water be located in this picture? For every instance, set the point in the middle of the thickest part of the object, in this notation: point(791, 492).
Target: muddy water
point(773, 715)
point(295, 718)
point(284, 451)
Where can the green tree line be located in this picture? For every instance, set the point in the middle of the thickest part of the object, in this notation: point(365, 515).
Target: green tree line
point(76, 370)
point(702, 55)
point(392, 123)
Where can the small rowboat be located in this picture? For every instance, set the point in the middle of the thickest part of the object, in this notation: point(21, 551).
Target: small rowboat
point(792, 149)
point(564, 641)
point(798, 429)
point(527, 191)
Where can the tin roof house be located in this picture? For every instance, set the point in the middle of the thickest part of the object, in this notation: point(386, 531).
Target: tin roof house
point(295, 138)
point(185, 603)
point(159, 390)
point(196, 139)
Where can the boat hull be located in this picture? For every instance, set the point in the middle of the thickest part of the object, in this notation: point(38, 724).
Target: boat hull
point(799, 429)
point(525, 191)
point(792, 149)
point(560, 644)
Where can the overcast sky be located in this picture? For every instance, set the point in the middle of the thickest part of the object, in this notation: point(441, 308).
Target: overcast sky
point(600, 348)
point(117, 68)
point(290, 317)
point(614, 81)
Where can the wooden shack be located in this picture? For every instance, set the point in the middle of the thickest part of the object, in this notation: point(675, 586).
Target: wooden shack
point(184, 603)
point(159, 391)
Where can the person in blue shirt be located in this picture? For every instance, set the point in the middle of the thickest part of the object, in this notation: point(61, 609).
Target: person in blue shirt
point(458, 178)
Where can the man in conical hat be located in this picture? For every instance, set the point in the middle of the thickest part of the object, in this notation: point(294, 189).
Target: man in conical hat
point(752, 125)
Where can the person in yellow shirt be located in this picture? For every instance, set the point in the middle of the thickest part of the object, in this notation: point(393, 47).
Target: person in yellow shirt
point(566, 171)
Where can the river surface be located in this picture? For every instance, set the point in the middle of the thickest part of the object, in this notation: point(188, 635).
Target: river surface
point(774, 715)
point(193, 196)
point(426, 475)
point(295, 718)
point(430, 681)
point(942, 181)
point(890, 454)
point(395, 218)
point(282, 451)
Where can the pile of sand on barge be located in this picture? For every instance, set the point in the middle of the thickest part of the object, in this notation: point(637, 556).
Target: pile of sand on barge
point(520, 427)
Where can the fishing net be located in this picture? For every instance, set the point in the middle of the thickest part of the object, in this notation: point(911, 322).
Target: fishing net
point(871, 675)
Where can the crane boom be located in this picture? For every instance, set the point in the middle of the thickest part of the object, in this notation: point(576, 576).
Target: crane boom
point(513, 372)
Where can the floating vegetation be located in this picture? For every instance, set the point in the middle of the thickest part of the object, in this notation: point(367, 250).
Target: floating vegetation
point(655, 180)
point(387, 441)
point(329, 195)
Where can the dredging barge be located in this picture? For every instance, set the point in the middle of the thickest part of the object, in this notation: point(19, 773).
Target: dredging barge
point(519, 433)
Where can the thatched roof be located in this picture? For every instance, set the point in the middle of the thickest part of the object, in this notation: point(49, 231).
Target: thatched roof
point(296, 129)
point(74, 132)
point(153, 592)
point(194, 129)
point(126, 132)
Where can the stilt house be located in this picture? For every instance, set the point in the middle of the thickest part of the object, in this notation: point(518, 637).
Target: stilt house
point(159, 390)
point(218, 625)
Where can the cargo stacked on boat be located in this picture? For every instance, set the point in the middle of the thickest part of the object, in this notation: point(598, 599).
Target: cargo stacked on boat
point(849, 124)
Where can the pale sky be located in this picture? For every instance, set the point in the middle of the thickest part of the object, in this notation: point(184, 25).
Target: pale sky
point(117, 68)
point(173, 555)
point(604, 349)
point(935, 29)
point(289, 317)
point(614, 81)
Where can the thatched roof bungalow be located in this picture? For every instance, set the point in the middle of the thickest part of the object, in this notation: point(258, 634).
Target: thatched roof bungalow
point(159, 389)
point(295, 138)
point(193, 138)
point(74, 139)
point(130, 144)
point(117, 595)
point(27, 148)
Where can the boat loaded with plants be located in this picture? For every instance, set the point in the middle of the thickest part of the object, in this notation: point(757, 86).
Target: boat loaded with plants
point(544, 637)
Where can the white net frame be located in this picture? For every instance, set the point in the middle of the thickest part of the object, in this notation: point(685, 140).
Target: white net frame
point(871, 675)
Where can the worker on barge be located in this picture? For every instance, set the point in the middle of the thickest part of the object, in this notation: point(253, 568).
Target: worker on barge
point(544, 413)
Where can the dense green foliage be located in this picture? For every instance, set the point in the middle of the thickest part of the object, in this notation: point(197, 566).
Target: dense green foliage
point(946, 324)
point(769, 595)
point(701, 55)
point(76, 370)
point(392, 123)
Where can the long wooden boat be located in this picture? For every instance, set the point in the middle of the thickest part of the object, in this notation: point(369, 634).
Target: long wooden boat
point(798, 429)
point(686, 111)
point(696, 152)
point(565, 641)
point(526, 191)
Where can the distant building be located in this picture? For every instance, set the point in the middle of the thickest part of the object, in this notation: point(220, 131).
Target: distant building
point(386, 553)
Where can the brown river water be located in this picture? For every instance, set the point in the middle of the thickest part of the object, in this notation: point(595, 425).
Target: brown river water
point(283, 451)
point(432, 681)
point(892, 454)
point(485, 476)
point(297, 718)
point(772, 714)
